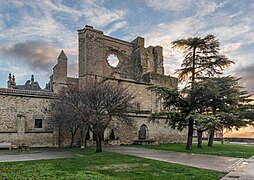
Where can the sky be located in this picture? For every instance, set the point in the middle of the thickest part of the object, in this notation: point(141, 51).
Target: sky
point(33, 32)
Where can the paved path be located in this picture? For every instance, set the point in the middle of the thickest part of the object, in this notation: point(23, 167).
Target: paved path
point(245, 171)
point(10, 156)
point(217, 163)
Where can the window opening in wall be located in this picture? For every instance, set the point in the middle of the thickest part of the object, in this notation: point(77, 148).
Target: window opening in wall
point(38, 123)
point(112, 60)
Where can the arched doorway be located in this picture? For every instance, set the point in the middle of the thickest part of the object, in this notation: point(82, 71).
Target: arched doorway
point(143, 132)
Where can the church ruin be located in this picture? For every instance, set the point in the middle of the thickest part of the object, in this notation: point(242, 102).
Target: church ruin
point(24, 116)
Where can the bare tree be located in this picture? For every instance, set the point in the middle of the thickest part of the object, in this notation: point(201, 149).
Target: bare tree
point(65, 119)
point(95, 105)
point(63, 114)
point(101, 101)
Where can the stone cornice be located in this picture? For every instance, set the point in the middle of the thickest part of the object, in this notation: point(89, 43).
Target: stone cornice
point(27, 93)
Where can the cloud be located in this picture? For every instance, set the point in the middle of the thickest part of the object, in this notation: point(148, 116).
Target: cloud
point(99, 16)
point(36, 54)
point(37, 21)
point(57, 7)
point(55, 21)
point(200, 8)
point(205, 8)
point(247, 74)
point(12, 3)
point(170, 4)
point(231, 48)
point(236, 32)
point(116, 26)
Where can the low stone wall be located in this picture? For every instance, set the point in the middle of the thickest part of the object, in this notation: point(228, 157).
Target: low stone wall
point(41, 139)
point(243, 140)
point(10, 137)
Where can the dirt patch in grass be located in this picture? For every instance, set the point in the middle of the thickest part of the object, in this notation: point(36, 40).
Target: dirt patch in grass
point(119, 167)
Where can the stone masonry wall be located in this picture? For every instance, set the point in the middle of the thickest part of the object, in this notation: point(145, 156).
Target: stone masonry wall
point(123, 50)
point(91, 52)
point(17, 120)
point(158, 131)
point(134, 59)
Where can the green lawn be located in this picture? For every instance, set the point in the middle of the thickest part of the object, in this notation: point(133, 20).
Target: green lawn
point(102, 166)
point(228, 150)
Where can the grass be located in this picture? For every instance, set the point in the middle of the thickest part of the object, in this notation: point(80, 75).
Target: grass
point(104, 165)
point(228, 150)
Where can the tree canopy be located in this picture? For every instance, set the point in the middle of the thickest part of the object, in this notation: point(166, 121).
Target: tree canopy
point(201, 58)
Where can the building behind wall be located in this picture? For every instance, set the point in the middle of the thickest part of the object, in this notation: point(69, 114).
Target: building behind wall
point(110, 59)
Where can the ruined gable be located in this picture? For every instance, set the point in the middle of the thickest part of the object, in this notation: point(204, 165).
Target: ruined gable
point(134, 60)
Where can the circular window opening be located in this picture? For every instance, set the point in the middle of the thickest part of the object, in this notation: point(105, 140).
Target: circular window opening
point(112, 60)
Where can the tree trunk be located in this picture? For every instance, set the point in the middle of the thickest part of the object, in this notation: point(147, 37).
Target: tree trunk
point(59, 137)
point(190, 134)
point(191, 121)
point(193, 66)
point(222, 140)
point(199, 138)
point(72, 139)
point(222, 137)
point(83, 137)
point(211, 138)
point(73, 133)
point(98, 142)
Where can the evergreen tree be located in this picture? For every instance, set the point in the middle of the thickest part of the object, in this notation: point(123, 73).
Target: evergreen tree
point(201, 59)
point(218, 103)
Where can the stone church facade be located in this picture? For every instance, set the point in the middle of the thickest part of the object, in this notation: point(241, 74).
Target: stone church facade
point(24, 108)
